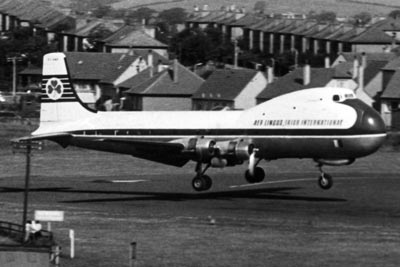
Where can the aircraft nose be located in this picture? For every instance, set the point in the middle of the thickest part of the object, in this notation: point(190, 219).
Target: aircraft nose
point(372, 122)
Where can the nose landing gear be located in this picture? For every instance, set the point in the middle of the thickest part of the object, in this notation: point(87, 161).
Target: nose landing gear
point(325, 180)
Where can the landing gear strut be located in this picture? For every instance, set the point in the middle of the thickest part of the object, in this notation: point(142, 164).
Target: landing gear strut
point(254, 174)
point(325, 180)
point(201, 182)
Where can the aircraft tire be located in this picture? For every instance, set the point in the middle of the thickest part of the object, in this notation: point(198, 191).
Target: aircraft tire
point(325, 181)
point(201, 183)
point(258, 176)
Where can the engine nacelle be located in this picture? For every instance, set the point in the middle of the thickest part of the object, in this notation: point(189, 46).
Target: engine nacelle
point(243, 150)
point(205, 149)
point(235, 152)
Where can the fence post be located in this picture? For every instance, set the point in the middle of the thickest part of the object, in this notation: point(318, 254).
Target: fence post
point(132, 254)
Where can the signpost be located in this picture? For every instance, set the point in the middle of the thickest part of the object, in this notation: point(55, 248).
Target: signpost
point(49, 216)
point(26, 146)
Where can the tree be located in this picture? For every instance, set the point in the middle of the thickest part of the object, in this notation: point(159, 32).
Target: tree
point(195, 45)
point(102, 11)
point(395, 14)
point(173, 16)
point(21, 42)
point(362, 18)
point(260, 6)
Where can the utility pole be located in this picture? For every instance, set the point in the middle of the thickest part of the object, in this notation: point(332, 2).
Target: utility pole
point(26, 146)
point(14, 71)
point(27, 176)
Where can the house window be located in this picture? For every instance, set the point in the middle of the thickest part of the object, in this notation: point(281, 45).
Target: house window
point(137, 103)
point(394, 105)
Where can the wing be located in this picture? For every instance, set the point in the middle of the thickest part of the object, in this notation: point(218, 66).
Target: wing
point(162, 152)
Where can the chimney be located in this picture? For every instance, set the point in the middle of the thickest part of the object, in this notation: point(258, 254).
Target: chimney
point(364, 60)
point(360, 78)
point(235, 54)
point(393, 40)
point(270, 74)
point(327, 62)
point(306, 74)
point(175, 70)
point(355, 67)
point(150, 58)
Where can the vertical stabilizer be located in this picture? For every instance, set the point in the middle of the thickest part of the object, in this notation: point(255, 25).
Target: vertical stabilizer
point(59, 100)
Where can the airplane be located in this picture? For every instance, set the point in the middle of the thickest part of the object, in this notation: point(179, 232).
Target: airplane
point(329, 125)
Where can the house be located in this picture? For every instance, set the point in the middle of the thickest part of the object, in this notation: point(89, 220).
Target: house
point(133, 37)
point(379, 37)
point(84, 37)
point(306, 77)
point(232, 88)
point(370, 67)
point(279, 34)
point(390, 97)
point(350, 56)
point(35, 15)
point(162, 87)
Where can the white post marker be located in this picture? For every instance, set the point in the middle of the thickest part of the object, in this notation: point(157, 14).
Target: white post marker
point(132, 256)
point(72, 245)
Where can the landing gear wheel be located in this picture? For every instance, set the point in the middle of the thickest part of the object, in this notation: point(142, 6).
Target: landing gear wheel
point(258, 176)
point(201, 183)
point(325, 181)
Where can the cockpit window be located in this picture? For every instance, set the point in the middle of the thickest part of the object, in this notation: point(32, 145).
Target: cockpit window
point(336, 98)
point(340, 98)
point(349, 96)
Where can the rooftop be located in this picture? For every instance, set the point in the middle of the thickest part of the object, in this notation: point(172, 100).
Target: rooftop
point(162, 83)
point(132, 36)
point(225, 84)
point(392, 89)
point(104, 67)
point(293, 81)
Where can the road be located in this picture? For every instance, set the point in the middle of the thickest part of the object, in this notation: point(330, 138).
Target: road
point(112, 200)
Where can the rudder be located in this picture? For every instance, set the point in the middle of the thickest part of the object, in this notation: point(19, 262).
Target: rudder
point(59, 100)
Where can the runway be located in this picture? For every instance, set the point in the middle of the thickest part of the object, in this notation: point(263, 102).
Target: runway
point(111, 201)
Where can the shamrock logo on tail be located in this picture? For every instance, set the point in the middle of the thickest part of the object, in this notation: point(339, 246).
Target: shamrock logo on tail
point(54, 88)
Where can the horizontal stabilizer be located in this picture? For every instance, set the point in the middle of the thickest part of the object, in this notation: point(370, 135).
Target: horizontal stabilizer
point(62, 139)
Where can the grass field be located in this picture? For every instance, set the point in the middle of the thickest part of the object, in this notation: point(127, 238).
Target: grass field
point(356, 223)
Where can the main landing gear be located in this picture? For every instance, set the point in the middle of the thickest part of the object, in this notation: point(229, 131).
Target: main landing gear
point(254, 174)
point(201, 182)
point(325, 180)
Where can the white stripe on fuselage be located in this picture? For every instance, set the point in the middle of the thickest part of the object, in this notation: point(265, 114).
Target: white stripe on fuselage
point(282, 113)
point(165, 137)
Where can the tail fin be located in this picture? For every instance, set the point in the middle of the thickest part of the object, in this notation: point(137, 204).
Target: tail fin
point(59, 100)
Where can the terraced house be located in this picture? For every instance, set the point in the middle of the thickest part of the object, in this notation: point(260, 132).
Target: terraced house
point(37, 16)
point(279, 34)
